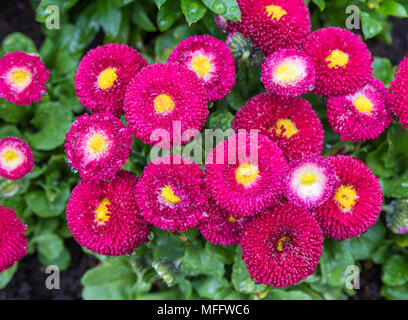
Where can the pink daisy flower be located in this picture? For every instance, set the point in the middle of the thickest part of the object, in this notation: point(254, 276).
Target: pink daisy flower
point(104, 217)
point(221, 227)
point(356, 202)
point(245, 185)
point(399, 93)
point(290, 122)
point(211, 60)
point(16, 158)
point(103, 75)
point(363, 115)
point(309, 181)
point(225, 25)
point(288, 72)
point(275, 24)
point(283, 246)
point(13, 242)
point(162, 95)
point(171, 194)
point(341, 60)
point(23, 78)
point(98, 146)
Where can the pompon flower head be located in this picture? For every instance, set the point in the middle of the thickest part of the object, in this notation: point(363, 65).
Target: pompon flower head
point(13, 242)
point(171, 194)
point(98, 146)
point(103, 75)
point(162, 96)
point(356, 201)
point(283, 246)
point(290, 122)
point(362, 115)
point(23, 78)
point(288, 72)
point(104, 217)
point(16, 158)
point(308, 182)
point(245, 185)
point(274, 24)
point(221, 227)
point(341, 60)
point(225, 25)
point(211, 60)
point(399, 93)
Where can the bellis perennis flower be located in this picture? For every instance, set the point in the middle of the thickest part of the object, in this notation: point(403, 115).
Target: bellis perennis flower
point(16, 158)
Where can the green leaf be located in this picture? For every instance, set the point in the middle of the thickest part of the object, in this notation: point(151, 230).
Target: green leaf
point(220, 120)
point(38, 202)
point(383, 70)
point(227, 8)
point(241, 279)
point(320, 3)
point(13, 113)
point(53, 121)
point(49, 245)
point(10, 131)
point(7, 275)
point(141, 18)
point(109, 16)
point(17, 41)
point(196, 262)
point(168, 246)
point(63, 5)
point(393, 8)
point(280, 294)
point(159, 3)
point(334, 262)
point(395, 271)
point(210, 288)
point(395, 292)
point(224, 254)
point(396, 187)
point(371, 26)
point(194, 10)
point(168, 14)
point(108, 282)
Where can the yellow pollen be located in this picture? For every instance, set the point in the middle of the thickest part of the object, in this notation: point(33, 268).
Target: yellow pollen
point(281, 243)
point(102, 213)
point(308, 179)
point(10, 156)
point(106, 78)
point(337, 59)
point(20, 77)
point(276, 12)
point(201, 65)
point(246, 173)
point(97, 144)
point(163, 103)
point(287, 72)
point(363, 105)
point(232, 219)
point(346, 197)
point(168, 194)
point(289, 128)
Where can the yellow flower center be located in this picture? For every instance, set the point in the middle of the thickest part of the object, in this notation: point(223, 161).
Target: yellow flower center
point(201, 65)
point(289, 129)
point(106, 78)
point(337, 59)
point(232, 219)
point(346, 197)
point(20, 77)
point(102, 213)
point(281, 243)
point(10, 156)
point(163, 103)
point(287, 72)
point(275, 12)
point(308, 179)
point(168, 194)
point(363, 105)
point(246, 173)
point(97, 144)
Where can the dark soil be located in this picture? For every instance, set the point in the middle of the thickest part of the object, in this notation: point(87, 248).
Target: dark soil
point(370, 282)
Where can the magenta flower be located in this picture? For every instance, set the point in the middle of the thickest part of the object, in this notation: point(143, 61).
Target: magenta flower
point(283, 246)
point(98, 146)
point(23, 78)
point(104, 217)
point(211, 60)
point(288, 72)
point(13, 242)
point(16, 158)
point(103, 75)
point(245, 185)
point(399, 95)
point(356, 202)
point(171, 194)
point(225, 25)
